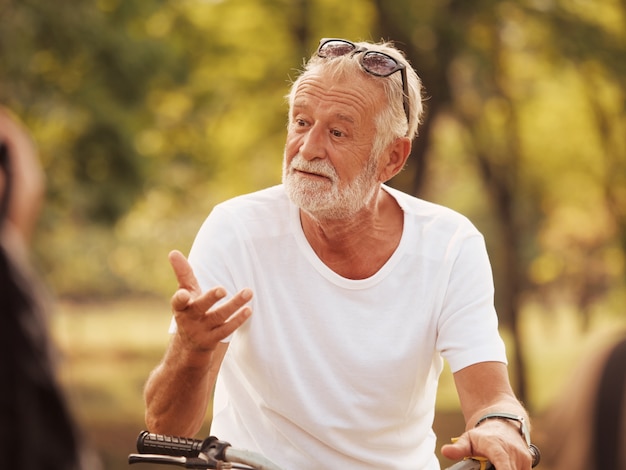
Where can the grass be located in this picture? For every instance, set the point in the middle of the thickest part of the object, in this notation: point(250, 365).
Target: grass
point(109, 348)
point(107, 352)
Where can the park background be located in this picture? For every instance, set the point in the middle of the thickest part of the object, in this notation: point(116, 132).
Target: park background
point(148, 112)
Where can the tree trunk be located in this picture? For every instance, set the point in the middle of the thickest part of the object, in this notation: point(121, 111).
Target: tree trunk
point(511, 266)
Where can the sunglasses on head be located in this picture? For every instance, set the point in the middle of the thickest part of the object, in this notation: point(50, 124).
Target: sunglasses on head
point(373, 62)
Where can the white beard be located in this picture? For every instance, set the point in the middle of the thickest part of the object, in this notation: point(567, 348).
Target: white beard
point(323, 197)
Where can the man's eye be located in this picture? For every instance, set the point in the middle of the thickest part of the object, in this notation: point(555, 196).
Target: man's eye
point(336, 133)
point(300, 122)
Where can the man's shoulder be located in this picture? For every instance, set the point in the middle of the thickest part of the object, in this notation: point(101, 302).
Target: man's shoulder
point(428, 212)
point(266, 207)
point(268, 198)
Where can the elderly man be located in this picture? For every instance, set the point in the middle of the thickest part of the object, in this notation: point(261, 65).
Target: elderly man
point(360, 292)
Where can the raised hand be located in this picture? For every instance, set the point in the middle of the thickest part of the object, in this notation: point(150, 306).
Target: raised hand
point(201, 319)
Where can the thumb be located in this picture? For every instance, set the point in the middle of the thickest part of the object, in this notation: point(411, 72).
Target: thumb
point(180, 300)
point(461, 447)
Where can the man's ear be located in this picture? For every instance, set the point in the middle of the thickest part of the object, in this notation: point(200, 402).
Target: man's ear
point(396, 156)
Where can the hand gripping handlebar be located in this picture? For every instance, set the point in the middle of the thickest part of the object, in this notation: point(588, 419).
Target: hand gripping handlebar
point(480, 463)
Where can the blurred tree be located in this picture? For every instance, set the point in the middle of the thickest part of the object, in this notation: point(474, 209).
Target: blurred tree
point(81, 68)
point(594, 41)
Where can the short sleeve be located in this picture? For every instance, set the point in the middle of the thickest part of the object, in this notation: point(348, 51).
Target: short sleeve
point(468, 325)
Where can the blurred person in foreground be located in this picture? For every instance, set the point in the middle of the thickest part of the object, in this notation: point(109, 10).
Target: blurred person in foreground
point(586, 427)
point(358, 292)
point(36, 429)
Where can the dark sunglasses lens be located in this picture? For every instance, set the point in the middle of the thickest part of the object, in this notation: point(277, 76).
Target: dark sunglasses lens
point(335, 49)
point(379, 64)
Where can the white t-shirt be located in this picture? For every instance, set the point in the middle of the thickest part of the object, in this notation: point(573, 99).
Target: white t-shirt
point(337, 373)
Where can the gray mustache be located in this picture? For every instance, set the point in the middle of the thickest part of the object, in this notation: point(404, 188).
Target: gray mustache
point(321, 168)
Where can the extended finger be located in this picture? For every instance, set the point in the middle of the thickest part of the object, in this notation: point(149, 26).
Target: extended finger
point(202, 329)
point(182, 301)
point(182, 269)
point(204, 308)
point(225, 329)
point(221, 313)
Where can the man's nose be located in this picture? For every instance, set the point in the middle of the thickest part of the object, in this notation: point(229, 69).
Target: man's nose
point(314, 143)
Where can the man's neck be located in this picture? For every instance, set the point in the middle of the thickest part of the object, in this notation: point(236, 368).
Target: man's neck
point(358, 246)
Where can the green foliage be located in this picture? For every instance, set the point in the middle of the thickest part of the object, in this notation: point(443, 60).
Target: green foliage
point(148, 112)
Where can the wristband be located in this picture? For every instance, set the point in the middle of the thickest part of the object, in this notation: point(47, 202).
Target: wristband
point(523, 429)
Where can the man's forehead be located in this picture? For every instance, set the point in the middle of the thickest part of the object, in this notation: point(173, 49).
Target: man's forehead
point(330, 87)
point(301, 103)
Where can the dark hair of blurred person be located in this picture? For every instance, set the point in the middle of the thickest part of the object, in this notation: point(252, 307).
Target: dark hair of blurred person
point(36, 428)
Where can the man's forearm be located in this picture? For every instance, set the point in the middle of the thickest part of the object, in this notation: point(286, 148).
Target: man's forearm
point(177, 392)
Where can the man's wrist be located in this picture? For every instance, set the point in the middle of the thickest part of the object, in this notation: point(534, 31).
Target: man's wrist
point(523, 426)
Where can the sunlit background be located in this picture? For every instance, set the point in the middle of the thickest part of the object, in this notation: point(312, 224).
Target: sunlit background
point(147, 113)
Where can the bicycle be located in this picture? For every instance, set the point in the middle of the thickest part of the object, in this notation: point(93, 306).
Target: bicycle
point(212, 453)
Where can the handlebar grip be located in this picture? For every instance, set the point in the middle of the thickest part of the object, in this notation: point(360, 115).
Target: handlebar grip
point(150, 443)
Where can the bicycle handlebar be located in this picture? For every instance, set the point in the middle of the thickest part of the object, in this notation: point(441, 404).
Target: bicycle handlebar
point(213, 453)
point(194, 453)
